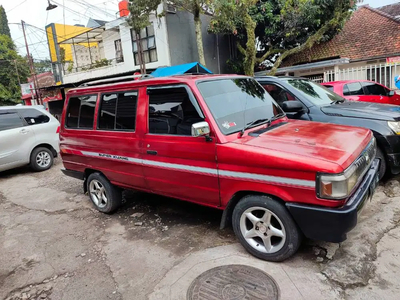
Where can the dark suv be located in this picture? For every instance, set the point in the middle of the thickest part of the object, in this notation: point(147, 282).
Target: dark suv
point(304, 99)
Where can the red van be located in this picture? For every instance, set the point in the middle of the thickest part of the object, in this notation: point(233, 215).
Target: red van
point(220, 141)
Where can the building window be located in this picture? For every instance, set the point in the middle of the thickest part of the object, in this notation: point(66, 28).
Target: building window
point(119, 56)
point(148, 42)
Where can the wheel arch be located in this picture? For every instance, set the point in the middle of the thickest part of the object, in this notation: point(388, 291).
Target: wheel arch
point(87, 173)
point(226, 218)
point(44, 145)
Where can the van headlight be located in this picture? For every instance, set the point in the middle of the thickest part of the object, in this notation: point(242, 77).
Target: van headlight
point(395, 126)
point(337, 186)
point(340, 186)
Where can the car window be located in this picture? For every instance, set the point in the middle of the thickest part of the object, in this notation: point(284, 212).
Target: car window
point(80, 113)
point(375, 89)
point(10, 120)
point(279, 94)
point(352, 89)
point(314, 92)
point(33, 116)
point(238, 102)
point(118, 111)
point(329, 87)
point(172, 110)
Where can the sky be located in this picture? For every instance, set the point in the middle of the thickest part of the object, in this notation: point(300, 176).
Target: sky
point(72, 12)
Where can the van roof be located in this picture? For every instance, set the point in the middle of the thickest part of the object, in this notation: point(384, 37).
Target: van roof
point(147, 82)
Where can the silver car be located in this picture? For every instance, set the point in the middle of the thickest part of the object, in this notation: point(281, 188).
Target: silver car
point(28, 136)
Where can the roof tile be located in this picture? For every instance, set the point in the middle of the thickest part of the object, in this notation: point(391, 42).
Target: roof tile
point(368, 34)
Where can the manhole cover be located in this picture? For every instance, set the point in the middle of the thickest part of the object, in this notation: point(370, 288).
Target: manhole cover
point(233, 282)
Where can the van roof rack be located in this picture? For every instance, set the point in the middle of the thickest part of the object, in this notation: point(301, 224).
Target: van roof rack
point(116, 79)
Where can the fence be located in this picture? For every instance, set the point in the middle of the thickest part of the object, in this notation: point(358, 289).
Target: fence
point(382, 73)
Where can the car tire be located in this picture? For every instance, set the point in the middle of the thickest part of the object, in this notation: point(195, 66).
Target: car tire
point(382, 166)
point(41, 159)
point(106, 197)
point(265, 228)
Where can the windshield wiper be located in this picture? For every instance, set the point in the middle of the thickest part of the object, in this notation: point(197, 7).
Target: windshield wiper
point(338, 101)
point(261, 121)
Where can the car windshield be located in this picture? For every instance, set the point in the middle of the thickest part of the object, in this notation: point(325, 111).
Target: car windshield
point(316, 93)
point(238, 102)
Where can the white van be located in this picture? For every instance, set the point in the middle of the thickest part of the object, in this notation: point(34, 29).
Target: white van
point(28, 136)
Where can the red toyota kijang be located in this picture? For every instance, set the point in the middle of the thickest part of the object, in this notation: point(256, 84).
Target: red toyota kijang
point(363, 90)
point(223, 142)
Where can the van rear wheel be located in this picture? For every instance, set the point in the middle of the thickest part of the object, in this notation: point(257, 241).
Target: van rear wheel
point(265, 228)
point(105, 196)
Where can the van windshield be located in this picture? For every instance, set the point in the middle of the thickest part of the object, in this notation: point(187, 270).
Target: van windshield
point(237, 102)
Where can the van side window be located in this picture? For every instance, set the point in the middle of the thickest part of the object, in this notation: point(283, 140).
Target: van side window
point(80, 113)
point(277, 93)
point(118, 111)
point(171, 111)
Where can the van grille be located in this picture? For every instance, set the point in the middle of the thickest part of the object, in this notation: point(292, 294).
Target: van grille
point(366, 158)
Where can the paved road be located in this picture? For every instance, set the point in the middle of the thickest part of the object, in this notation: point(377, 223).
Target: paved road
point(54, 245)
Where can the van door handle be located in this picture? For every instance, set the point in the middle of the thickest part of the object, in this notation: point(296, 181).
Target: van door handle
point(151, 152)
point(24, 131)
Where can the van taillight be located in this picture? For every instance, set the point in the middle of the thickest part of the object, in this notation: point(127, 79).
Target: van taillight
point(58, 129)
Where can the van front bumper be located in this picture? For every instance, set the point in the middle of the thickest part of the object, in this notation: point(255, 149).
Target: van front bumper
point(332, 224)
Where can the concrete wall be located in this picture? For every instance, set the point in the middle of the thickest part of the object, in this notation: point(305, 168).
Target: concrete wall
point(182, 41)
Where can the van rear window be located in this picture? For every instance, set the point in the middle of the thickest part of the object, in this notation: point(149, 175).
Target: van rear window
point(80, 113)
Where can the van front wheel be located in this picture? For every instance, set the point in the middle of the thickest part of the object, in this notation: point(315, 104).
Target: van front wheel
point(265, 228)
point(105, 197)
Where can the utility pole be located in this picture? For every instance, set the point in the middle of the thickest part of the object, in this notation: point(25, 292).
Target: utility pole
point(31, 67)
point(16, 70)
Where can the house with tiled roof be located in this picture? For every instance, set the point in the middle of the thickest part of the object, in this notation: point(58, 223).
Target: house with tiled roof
point(368, 47)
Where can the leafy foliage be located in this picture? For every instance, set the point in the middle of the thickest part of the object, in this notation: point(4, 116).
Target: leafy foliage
point(10, 90)
point(282, 27)
point(4, 29)
point(196, 8)
point(140, 11)
point(42, 66)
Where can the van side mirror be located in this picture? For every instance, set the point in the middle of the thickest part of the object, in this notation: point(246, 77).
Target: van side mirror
point(200, 129)
point(391, 93)
point(292, 106)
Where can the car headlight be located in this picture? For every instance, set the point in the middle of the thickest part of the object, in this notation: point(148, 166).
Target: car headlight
point(337, 186)
point(340, 186)
point(395, 126)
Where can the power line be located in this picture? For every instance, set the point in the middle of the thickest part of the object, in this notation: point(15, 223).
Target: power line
point(16, 6)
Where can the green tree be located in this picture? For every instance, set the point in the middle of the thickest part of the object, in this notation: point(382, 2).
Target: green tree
point(196, 8)
point(42, 66)
point(281, 27)
point(4, 29)
point(232, 16)
point(139, 19)
point(10, 63)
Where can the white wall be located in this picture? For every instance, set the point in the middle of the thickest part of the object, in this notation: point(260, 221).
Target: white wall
point(112, 34)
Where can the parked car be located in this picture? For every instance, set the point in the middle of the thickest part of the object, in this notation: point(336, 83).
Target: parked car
point(220, 141)
point(303, 99)
point(364, 90)
point(28, 135)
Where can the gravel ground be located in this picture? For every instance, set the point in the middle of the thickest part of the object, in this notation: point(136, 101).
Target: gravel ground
point(55, 245)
